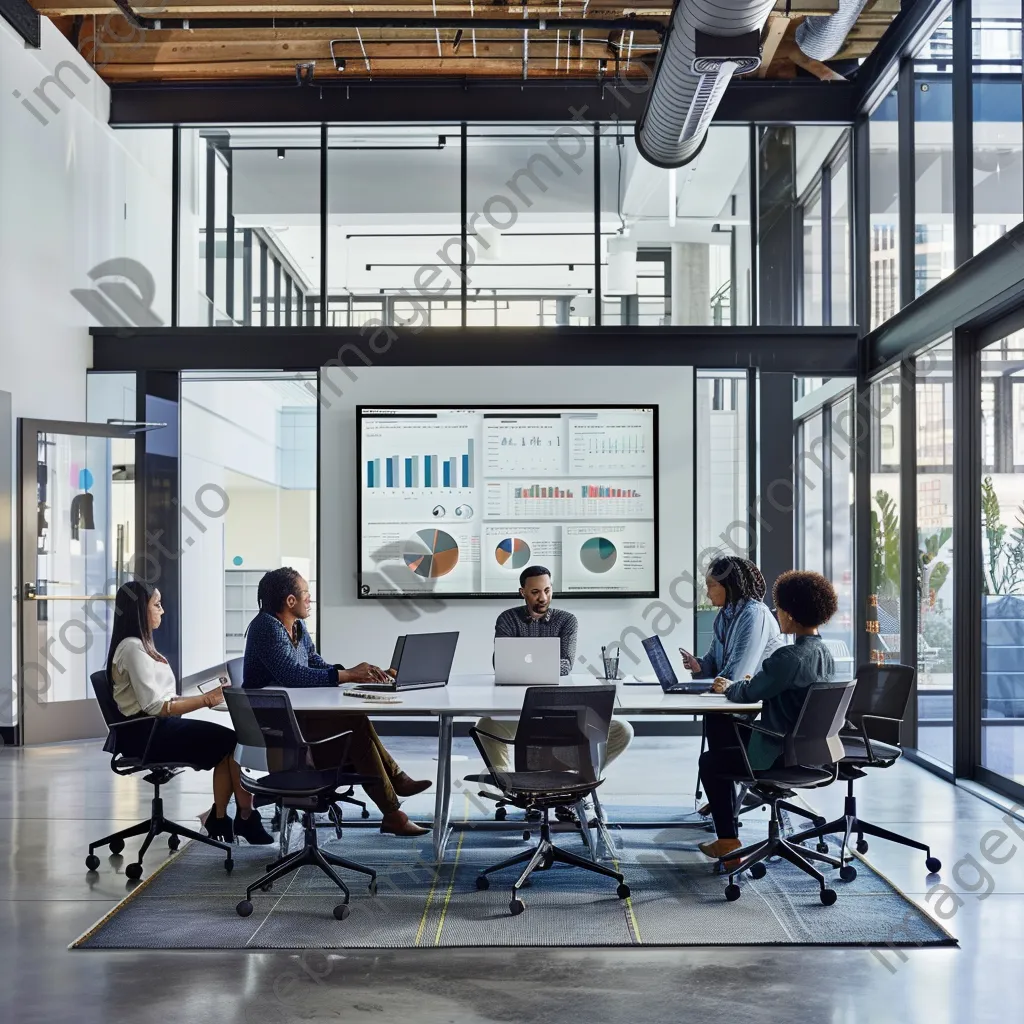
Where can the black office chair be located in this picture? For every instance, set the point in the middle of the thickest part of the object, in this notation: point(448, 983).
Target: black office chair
point(267, 730)
point(559, 750)
point(871, 738)
point(813, 742)
point(160, 773)
point(234, 667)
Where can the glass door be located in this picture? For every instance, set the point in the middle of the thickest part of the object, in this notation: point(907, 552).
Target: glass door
point(76, 546)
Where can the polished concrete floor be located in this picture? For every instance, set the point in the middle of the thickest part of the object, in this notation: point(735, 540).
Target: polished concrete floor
point(54, 799)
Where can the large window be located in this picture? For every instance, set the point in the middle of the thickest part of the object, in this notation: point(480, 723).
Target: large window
point(883, 618)
point(1002, 555)
point(884, 196)
point(998, 146)
point(934, 656)
point(933, 159)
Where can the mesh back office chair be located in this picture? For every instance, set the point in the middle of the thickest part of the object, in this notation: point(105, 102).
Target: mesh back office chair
point(272, 742)
point(559, 750)
point(234, 667)
point(814, 741)
point(871, 737)
point(160, 773)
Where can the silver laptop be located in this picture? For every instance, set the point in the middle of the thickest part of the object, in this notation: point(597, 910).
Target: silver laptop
point(527, 661)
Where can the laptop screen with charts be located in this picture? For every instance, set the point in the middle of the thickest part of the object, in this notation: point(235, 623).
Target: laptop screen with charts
point(527, 661)
point(420, 661)
point(666, 674)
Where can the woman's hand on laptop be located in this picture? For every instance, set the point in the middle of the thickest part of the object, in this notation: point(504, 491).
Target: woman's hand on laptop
point(362, 673)
point(721, 684)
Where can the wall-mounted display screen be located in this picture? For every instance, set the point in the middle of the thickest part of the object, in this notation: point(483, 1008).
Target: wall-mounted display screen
point(457, 501)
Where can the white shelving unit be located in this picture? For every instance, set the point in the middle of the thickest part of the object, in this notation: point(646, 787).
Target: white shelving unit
point(241, 607)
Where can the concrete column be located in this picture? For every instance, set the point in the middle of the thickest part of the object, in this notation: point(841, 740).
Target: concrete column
point(691, 284)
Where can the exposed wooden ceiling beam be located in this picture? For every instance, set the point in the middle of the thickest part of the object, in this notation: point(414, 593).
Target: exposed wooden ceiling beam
point(775, 29)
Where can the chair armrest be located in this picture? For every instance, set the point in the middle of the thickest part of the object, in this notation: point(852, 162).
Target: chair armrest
point(149, 720)
point(737, 721)
point(326, 739)
point(490, 735)
point(766, 732)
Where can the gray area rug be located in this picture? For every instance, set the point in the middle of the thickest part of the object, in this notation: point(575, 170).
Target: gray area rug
point(676, 900)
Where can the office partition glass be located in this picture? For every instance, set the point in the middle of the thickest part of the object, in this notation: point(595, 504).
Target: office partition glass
point(1002, 553)
point(933, 392)
point(842, 432)
point(811, 488)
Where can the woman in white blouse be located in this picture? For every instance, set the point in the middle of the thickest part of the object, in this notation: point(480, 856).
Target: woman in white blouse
point(143, 684)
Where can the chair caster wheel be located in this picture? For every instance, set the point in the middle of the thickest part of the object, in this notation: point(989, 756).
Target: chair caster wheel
point(822, 847)
point(228, 865)
point(92, 862)
point(133, 871)
point(341, 911)
point(862, 846)
point(500, 814)
point(116, 845)
point(732, 892)
point(173, 842)
point(365, 813)
point(829, 896)
point(758, 870)
point(847, 872)
point(934, 865)
point(516, 906)
point(623, 891)
point(372, 887)
point(526, 837)
point(817, 821)
point(243, 909)
point(483, 883)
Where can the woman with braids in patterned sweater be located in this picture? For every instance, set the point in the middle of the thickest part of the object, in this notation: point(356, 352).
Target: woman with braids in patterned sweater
point(746, 633)
point(280, 652)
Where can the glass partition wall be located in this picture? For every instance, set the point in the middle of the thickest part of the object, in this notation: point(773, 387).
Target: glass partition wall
point(520, 225)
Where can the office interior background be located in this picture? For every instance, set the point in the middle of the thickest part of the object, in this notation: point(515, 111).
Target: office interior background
point(827, 305)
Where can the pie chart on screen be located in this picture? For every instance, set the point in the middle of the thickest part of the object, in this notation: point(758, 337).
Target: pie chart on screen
point(512, 553)
point(432, 553)
point(598, 554)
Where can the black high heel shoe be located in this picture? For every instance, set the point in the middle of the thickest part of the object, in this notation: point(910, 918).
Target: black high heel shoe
point(219, 828)
point(251, 829)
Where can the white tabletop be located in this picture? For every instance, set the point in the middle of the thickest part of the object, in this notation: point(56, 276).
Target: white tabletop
point(475, 695)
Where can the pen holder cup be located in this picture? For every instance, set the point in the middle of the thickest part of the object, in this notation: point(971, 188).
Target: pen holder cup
point(611, 667)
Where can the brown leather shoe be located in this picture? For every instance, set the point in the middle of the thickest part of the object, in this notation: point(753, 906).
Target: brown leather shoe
point(720, 848)
point(397, 823)
point(405, 786)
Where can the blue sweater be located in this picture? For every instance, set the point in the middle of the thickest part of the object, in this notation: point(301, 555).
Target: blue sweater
point(744, 633)
point(271, 659)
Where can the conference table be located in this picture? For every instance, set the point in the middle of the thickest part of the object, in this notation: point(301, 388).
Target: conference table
point(473, 696)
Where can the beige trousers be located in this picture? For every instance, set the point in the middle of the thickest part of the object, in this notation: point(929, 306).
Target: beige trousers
point(620, 735)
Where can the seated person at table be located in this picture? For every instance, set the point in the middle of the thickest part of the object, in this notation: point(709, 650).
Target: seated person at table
point(803, 602)
point(536, 617)
point(745, 633)
point(143, 684)
point(744, 629)
point(280, 652)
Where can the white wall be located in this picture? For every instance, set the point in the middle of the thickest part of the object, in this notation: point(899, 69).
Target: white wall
point(352, 630)
point(73, 193)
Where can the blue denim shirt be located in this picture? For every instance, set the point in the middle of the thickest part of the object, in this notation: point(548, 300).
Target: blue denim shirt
point(743, 633)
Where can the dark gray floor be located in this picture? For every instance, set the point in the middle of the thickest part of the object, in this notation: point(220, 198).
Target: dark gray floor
point(54, 799)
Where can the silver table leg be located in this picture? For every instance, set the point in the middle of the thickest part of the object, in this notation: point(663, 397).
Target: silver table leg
point(442, 798)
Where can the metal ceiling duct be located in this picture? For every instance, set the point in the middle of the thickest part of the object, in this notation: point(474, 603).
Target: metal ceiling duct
point(708, 42)
point(821, 36)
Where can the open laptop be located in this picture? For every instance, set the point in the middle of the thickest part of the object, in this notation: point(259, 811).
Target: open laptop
point(420, 661)
point(527, 661)
point(670, 683)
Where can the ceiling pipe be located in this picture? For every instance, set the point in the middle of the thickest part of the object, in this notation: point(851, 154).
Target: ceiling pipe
point(706, 45)
point(821, 37)
point(357, 22)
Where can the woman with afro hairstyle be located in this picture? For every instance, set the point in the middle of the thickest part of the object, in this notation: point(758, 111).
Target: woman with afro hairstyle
point(803, 601)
